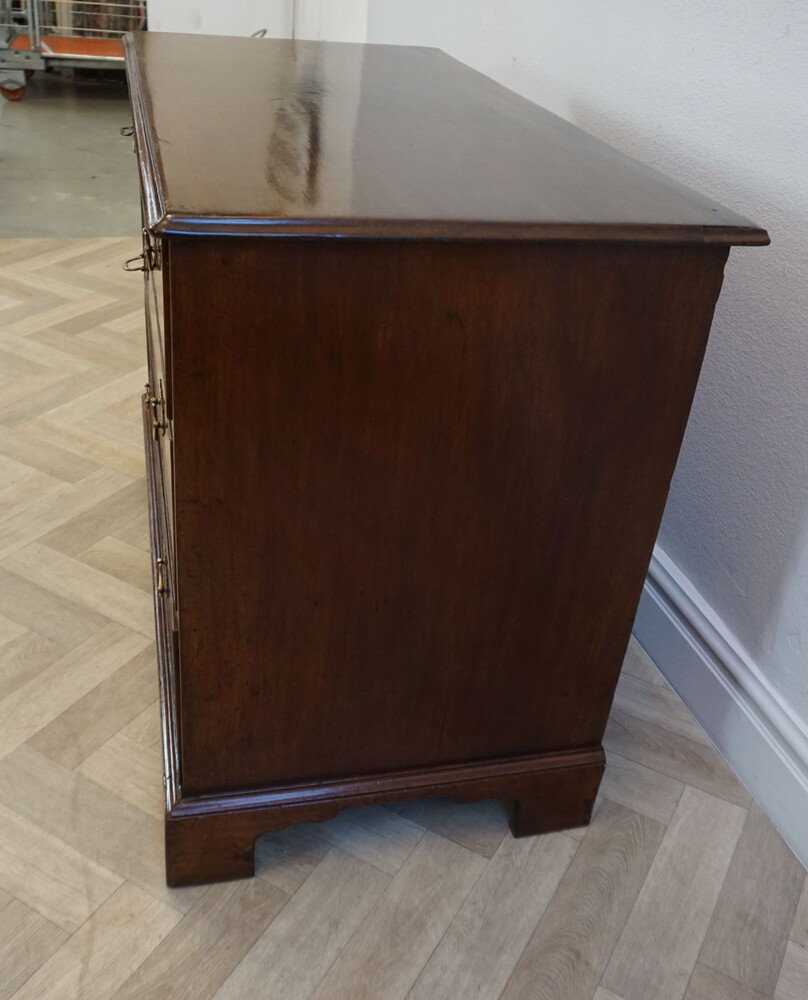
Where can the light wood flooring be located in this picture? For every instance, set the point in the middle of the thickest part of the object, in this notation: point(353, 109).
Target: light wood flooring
point(680, 887)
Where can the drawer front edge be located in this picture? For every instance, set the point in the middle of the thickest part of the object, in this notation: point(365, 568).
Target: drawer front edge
point(166, 635)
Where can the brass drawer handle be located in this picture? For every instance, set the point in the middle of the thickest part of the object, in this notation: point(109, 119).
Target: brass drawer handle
point(162, 588)
point(154, 402)
point(132, 260)
point(159, 425)
point(149, 259)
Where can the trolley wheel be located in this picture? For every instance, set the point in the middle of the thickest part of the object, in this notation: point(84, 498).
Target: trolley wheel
point(12, 93)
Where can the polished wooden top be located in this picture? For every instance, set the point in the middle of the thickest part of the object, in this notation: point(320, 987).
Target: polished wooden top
point(281, 137)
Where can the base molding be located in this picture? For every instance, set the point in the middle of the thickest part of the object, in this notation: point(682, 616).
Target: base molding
point(762, 740)
point(211, 838)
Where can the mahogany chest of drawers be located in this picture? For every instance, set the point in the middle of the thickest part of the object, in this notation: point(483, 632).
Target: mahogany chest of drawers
point(421, 356)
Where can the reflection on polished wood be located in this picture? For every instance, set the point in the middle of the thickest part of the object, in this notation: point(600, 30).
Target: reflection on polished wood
point(383, 140)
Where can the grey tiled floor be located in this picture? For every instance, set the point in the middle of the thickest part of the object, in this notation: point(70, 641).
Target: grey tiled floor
point(65, 170)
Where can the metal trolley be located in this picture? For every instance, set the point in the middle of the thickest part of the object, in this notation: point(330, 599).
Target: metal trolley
point(39, 34)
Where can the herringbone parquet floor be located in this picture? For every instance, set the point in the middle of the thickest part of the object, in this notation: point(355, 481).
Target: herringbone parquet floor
point(680, 888)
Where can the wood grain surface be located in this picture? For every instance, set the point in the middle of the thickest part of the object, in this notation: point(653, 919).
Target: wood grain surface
point(406, 925)
point(792, 982)
point(484, 941)
point(299, 947)
point(89, 722)
point(660, 942)
point(106, 949)
point(27, 940)
point(799, 932)
point(660, 749)
point(746, 939)
point(201, 951)
point(480, 826)
point(641, 788)
point(707, 984)
point(568, 952)
point(432, 466)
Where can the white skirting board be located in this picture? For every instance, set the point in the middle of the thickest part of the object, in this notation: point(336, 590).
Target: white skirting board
point(764, 742)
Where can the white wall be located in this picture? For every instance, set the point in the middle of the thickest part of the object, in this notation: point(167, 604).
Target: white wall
point(209, 17)
point(333, 20)
point(716, 94)
point(337, 20)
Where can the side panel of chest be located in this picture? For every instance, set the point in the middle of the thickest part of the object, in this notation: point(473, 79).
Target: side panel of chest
point(417, 486)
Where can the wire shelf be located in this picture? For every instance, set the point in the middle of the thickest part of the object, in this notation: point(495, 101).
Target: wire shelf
point(37, 34)
point(91, 20)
